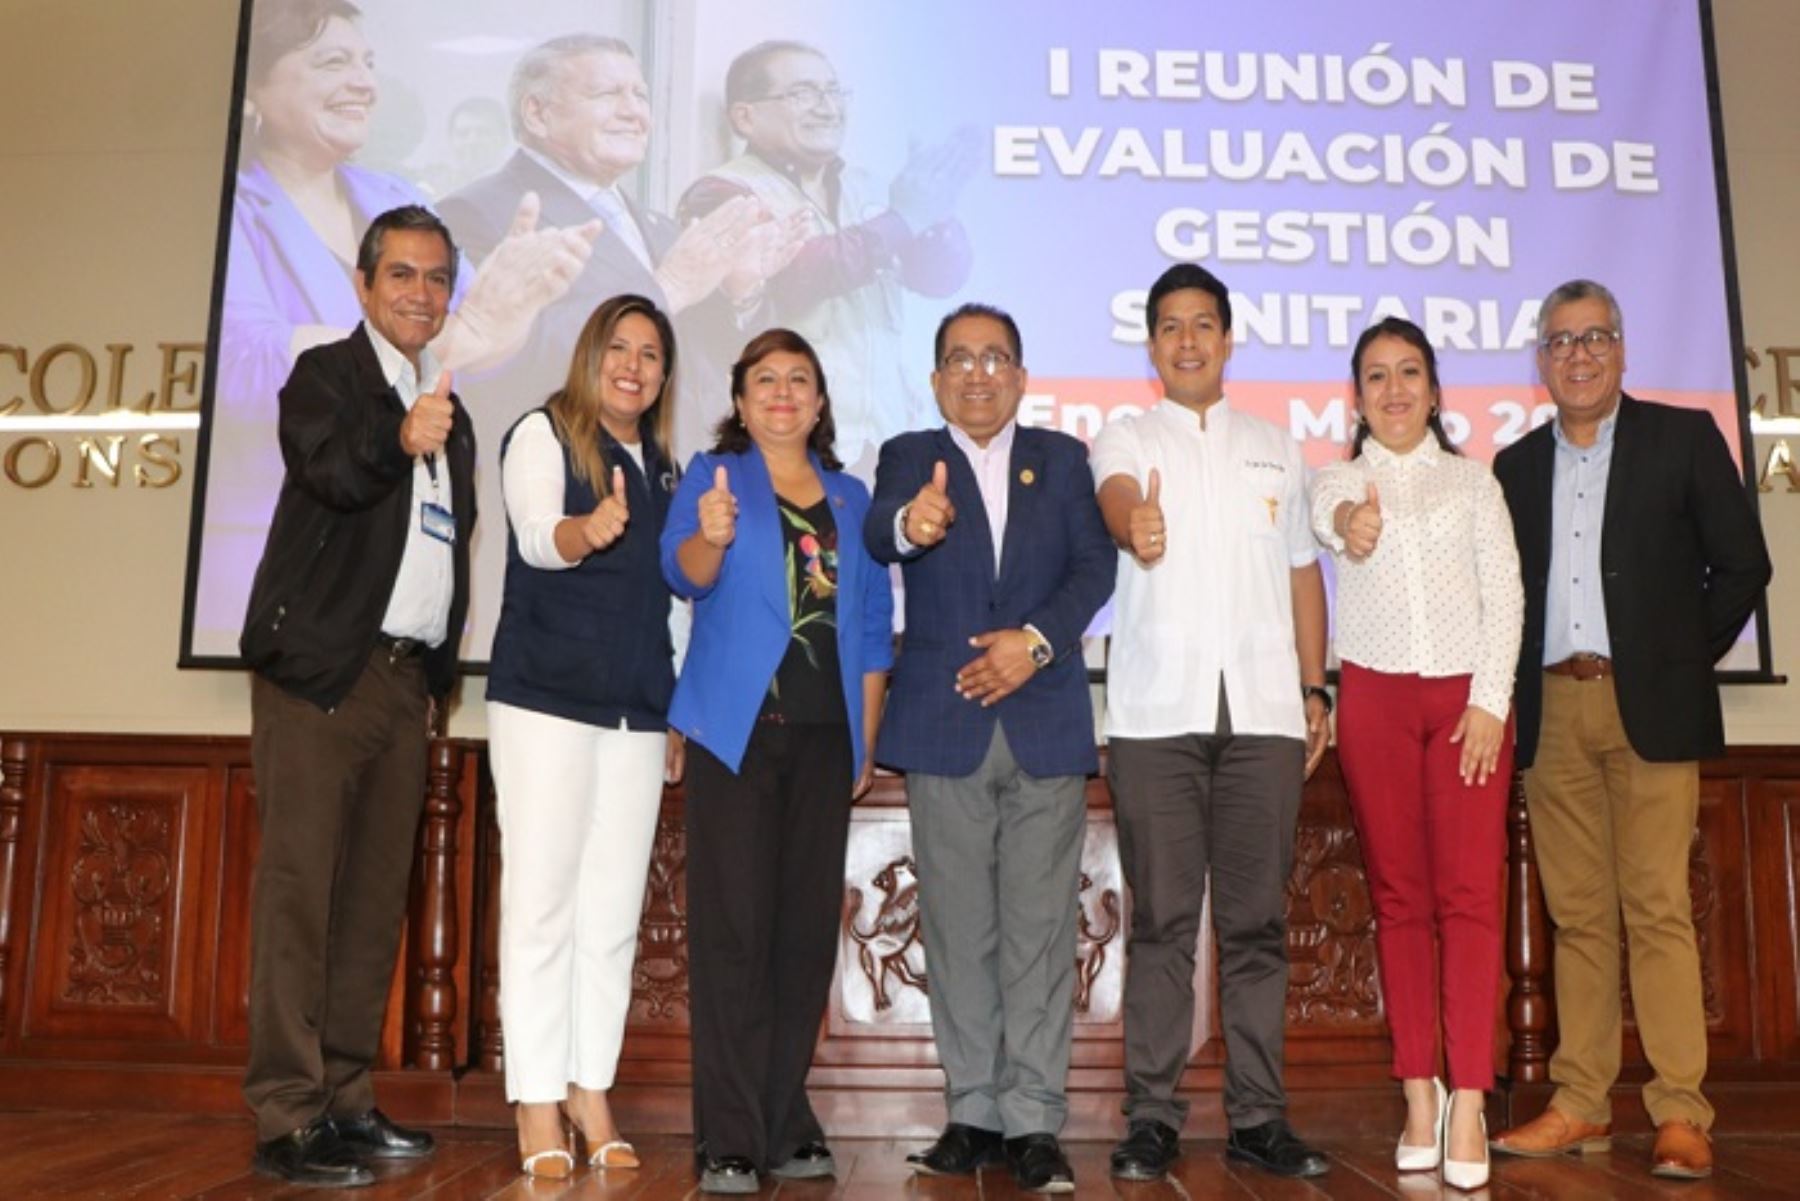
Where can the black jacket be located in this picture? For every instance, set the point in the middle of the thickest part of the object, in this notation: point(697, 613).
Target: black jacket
point(1682, 565)
point(340, 525)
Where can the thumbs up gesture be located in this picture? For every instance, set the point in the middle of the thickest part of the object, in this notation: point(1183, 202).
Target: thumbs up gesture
point(1359, 524)
point(427, 425)
point(929, 513)
point(1149, 537)
point(607, 522)
point(718, 512)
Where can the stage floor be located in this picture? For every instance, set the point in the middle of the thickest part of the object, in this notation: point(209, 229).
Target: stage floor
point(82, 1155)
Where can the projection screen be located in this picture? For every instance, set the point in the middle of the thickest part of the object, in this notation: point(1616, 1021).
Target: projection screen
point(1332, 163)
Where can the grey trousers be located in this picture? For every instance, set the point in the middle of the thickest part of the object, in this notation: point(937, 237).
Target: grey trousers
point(1188, 808)
point(999, 860)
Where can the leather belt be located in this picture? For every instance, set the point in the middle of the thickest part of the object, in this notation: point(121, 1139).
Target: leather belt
point(399, 648)
point(1584, 666)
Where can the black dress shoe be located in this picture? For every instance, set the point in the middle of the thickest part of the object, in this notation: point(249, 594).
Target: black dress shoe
point(728, 1174)
point(1275, 1148)
point(959, 1151)
point(1146, 1152)
point(373, 1136)
point(314, 1156)
point(1039, 1165)
point(812, 1161)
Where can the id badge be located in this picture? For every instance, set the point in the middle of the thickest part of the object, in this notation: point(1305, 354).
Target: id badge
point(436, 522)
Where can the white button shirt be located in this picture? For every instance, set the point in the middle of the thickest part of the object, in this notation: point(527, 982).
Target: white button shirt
point(419, 606)
point(1220, 600)
point(1440, 595)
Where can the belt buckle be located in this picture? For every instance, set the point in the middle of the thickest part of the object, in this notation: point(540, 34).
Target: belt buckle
point(401, 648)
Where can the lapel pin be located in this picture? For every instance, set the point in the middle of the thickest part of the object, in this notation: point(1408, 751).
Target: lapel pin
point(1028, 477)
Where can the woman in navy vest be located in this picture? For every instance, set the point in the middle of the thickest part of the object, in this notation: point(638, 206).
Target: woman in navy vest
point(779, 698)
point(577, 701)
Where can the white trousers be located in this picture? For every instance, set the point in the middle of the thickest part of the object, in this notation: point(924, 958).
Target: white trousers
point(577, 806)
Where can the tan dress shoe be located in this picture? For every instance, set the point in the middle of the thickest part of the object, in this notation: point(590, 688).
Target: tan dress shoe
point(1683, 1152)
point(1553, 1132)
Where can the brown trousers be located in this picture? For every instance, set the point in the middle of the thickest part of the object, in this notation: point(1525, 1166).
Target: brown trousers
point(339, 796)
point(1612, 833)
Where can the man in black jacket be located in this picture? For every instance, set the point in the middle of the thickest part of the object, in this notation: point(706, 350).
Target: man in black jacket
point(352, 632)
point(1642, 560)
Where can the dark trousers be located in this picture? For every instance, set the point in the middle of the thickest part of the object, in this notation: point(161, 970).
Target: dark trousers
point(765, 891)
point(1190, 808)
point(339, 796)
point(1434, 849)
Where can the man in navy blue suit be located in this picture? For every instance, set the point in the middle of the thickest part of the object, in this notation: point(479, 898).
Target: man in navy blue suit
point(1006, 560)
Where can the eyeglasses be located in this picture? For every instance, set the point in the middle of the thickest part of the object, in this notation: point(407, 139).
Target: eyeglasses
point(804, 96)
point(963, 362)
point(1599, 343)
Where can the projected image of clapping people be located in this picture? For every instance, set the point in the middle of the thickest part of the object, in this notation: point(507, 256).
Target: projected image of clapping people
point(868, 241)
point(580, 111)
point(779, 698)
point(577, 706)
point(1429, 612)
point(309, 102)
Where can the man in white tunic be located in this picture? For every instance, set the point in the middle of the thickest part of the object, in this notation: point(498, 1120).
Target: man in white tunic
point(1216, 713)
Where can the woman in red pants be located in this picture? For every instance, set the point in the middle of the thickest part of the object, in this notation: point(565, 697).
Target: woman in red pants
point(1428, 618)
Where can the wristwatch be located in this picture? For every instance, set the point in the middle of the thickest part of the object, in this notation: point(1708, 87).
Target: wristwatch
point(1042, 653)
point(1311, 690)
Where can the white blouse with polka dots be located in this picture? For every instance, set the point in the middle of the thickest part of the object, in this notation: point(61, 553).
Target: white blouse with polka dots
point(1440, 595)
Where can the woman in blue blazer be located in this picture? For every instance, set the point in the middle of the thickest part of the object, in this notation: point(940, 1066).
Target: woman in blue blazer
point(780, 698)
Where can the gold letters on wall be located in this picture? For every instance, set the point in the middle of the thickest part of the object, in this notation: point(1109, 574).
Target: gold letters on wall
point(1784, 361)
point(72, 415)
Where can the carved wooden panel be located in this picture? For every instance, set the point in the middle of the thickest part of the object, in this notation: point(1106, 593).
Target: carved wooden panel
point(1100, 933)
point(883, 979)
point(115, 941)
point(659, 978)
point(881, 985)
point(1333, 978)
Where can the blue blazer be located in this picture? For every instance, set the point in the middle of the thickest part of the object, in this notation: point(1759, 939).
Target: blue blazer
point(1057, 568)
point(741, 623)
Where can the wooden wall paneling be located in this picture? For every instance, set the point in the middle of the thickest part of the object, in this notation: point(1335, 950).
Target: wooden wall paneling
point(1774, 909)
point(240, 842)
point(468, 787)
point(876, 1070)
point(487, 1042)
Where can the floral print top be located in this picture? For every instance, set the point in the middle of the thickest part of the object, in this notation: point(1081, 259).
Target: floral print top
point(807, 688)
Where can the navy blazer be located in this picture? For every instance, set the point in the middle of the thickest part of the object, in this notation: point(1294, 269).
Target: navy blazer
point(1682, 566)
point(741, 622)
point(1057, 568)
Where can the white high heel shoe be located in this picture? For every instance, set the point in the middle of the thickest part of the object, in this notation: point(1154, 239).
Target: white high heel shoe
point(1408, 1158)
point(1464, 1174)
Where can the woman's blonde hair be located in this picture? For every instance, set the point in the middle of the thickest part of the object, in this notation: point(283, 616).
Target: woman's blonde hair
point(575, 407)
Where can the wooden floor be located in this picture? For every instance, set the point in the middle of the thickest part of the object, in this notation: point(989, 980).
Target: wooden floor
point(169, 1157)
